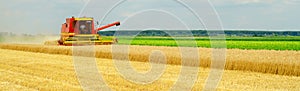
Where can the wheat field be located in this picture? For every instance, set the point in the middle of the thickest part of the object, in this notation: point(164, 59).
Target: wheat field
point(40, 71)
point(264, 61)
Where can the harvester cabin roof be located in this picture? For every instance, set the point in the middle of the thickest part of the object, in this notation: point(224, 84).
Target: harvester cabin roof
point(84, 18)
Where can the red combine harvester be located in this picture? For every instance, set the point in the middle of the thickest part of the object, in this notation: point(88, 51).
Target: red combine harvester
point(81, 31)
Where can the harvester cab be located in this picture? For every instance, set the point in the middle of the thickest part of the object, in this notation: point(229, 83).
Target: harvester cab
point(81, 31)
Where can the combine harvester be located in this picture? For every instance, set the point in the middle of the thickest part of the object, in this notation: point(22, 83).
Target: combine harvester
point(81, 31)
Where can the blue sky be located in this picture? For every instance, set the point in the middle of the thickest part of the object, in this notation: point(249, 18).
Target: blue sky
point(46, 16)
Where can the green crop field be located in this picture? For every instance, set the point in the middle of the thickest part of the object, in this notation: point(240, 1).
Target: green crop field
point(257, 43)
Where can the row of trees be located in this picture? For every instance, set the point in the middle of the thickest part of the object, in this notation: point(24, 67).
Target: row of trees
point(199, 33)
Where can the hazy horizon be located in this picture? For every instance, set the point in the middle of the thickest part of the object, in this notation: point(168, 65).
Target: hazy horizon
point(259, 30)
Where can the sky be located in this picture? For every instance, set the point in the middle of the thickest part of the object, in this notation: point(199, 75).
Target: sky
point(46, 16)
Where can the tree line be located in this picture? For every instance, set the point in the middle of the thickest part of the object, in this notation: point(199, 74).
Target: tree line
point(199, 33)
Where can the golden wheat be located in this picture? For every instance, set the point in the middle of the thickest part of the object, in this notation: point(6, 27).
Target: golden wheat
point(265, 61)
point(39, 71)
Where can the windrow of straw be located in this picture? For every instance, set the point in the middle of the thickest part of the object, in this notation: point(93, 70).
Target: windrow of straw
point(264, 61)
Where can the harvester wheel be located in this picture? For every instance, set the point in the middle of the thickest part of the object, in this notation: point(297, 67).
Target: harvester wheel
point(115, 40)
point(60, 42)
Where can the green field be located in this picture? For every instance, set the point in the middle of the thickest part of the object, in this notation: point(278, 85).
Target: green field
point(257, 43)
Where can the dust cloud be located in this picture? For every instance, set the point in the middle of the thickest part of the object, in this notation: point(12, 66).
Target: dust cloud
point(27, 39)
